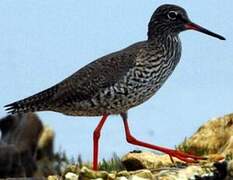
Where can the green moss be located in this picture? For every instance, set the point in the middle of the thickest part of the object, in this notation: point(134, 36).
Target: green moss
point(114, 164)
point(229, 157)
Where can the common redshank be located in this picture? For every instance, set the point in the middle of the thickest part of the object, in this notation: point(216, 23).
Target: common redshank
point(121, 80)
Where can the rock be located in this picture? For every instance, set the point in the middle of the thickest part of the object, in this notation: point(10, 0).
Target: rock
point(146, 160)
point(218, 171)
point(230, 170)
point(121, 178)
point(53, 177)
point(144, 173)
point(211, 138)
point(112, 176)
point(72, 168)
point(228, 147)
point(22, 131)
point(45, 144)
point(162, 168)
point(10, 162)
point(209, 171)
point(137, 178)
point(71, 176)
point(123, 174)
point(86, 173)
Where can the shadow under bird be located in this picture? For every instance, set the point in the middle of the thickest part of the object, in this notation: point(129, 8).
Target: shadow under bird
point(121, 80)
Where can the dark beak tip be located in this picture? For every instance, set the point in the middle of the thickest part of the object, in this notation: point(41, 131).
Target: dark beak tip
point(196, 27)
point(223, 38)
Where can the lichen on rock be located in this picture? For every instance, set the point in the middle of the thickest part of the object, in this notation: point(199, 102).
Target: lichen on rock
point(214, 137)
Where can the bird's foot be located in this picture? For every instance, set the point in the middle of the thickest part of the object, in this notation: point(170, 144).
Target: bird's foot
point(188, 158)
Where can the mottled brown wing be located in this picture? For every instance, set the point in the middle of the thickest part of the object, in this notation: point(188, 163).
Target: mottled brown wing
point(83, 84)
point(92, 78)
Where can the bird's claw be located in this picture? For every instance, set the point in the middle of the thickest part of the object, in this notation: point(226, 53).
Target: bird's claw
point(188, 158)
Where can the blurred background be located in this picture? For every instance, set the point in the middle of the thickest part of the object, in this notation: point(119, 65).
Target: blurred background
point(43, 42)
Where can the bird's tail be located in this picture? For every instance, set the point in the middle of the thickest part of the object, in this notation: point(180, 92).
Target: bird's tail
point(37, 102)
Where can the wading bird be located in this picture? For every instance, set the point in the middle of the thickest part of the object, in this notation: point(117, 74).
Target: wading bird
point(119, 81)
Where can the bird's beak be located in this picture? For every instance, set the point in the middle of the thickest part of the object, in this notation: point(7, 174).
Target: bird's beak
point(196, 27)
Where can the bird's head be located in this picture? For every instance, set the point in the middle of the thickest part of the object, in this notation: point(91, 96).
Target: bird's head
point(172, 19)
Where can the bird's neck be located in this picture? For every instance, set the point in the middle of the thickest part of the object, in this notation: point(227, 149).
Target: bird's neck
point(162, 37)
point(166, 39)
point(159, 32)
point(171, 46)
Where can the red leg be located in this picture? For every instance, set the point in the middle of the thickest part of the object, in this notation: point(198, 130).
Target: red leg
point(96, 136)
point(171, 152)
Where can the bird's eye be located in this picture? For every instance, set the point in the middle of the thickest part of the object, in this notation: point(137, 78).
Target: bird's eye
point(172, 15)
